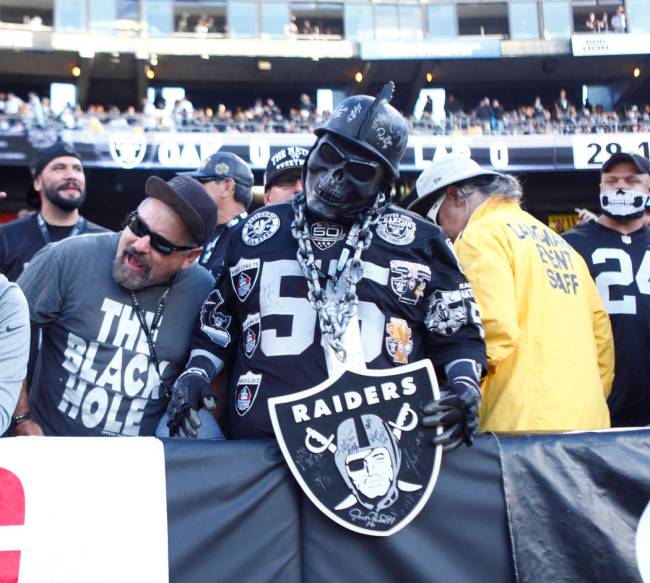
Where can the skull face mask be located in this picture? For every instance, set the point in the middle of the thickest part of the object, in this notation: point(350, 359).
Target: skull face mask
point(623, 203)
point(341, 180)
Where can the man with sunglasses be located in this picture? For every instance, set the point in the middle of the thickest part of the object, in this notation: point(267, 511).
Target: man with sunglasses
point(549, 342)
point(337, 273)
point(616, 247)
point(116, 311)
point(283, 175)
point(229, 182)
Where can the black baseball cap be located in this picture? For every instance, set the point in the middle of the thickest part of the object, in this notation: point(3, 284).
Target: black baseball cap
point(642, 164)
point(290, 159)
point(223, 165)
point(189, 200)
point(40, 160)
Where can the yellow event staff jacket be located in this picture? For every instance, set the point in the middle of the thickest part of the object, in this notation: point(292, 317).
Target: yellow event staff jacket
point(549, 340)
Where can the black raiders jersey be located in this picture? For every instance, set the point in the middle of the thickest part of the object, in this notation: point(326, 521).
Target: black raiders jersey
point(214, 252)
point(22, 238)
point(620, 266)
point(414, 303)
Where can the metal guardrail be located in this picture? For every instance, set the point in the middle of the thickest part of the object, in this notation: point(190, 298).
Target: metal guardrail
point(453, 125)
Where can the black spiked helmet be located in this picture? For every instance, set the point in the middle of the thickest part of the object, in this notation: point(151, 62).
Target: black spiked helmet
point(372, 124)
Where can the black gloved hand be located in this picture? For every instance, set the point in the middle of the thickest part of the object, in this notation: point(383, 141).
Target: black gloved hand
point(456, 411)
point(191, 392)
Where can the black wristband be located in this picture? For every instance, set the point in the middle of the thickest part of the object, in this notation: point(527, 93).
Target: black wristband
point(18, 419)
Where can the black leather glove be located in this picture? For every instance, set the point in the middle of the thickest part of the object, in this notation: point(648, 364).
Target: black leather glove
point(457, 409)
point(191, 392)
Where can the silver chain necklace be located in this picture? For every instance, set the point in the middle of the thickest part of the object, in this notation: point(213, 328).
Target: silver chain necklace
point(335, 309)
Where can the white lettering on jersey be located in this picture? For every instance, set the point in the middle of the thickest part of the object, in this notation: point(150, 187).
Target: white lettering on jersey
point(304, 317)
point(624, 276)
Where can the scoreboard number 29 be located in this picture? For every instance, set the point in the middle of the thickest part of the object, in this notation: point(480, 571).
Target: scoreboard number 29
point(590, 151)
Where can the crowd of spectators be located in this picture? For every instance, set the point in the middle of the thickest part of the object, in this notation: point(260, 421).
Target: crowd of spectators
point(604, 23)
point(488, 117)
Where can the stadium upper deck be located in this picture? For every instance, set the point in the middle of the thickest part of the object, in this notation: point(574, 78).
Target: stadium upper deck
point(114, 52)
point(121, 47)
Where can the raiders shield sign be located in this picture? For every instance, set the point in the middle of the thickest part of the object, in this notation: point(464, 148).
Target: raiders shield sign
point(356, 446)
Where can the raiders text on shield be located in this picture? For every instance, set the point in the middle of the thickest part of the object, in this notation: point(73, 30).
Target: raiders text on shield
point(127, 149)
point(247, 388)
point(243, 276)
point(355, 445)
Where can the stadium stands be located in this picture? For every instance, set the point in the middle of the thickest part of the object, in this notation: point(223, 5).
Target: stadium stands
point(264, 116)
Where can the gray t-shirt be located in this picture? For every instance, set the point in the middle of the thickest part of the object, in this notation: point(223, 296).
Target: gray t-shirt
point(14, 348)
point(94, 374)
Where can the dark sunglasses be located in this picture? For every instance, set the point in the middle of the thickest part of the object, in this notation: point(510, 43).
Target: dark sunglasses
point(358, 169)
point(216, 178)
point(140, 229)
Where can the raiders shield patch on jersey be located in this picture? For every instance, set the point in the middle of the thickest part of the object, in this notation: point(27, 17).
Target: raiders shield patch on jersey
point(408, 280)
point(396, 228)
point(214, 323)
point(325, 234)
point(248, 386)
point(251, 334)
point(398, 340)
point(356, 447)
point(447, 312)
point(260, 227)
point(243, 276)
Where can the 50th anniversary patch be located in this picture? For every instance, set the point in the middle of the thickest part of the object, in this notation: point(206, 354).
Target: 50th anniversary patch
point(356, 447)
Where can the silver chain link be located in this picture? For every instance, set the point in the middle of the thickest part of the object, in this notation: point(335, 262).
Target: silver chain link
point(335, 309)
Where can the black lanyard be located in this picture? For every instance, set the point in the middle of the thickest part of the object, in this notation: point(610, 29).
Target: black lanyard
point(42, 225)
point(151, 332)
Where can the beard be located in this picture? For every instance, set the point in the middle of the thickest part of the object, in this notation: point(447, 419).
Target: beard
point(52, 193)
point(127, 277)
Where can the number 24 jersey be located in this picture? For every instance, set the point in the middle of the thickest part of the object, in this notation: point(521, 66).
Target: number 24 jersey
point(620, 267)
point(414, 303)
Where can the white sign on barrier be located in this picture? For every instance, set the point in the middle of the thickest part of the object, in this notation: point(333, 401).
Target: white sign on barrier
point(587, 45)
point(95, 509)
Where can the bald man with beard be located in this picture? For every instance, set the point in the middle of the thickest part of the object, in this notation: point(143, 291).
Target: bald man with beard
point(116, 311)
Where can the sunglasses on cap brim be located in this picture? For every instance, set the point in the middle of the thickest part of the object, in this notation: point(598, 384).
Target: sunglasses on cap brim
point(140, 229)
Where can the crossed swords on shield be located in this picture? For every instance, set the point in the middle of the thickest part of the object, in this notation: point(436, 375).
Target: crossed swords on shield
point(317, 443)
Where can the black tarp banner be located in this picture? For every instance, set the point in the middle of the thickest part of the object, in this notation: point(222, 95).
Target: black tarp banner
point(574, 503)
point(570, 504)
point(234, 514)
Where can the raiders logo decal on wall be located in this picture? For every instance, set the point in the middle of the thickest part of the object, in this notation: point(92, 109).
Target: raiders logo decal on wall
point(396, 229)
point(260, 227)
point(243, 276)
point(355, 445)
point(247, 388)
